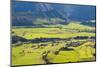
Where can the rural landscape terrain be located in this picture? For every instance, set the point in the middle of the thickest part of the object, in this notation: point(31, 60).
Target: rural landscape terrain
point(52, 33)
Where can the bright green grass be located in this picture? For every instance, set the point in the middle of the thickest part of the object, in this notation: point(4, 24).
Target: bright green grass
point(31, 33)
point(80, 53)
point(78, 26)
point(66, 31)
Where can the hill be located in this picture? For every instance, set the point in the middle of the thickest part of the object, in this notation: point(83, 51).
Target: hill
point(25, 13)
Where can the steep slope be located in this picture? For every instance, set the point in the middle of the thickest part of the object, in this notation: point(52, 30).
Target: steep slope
point(24, 13)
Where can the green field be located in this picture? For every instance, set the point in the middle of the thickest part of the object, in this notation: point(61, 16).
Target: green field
point(57, 45)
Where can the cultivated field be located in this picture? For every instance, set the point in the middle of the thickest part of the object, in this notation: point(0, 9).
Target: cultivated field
point(53, 44)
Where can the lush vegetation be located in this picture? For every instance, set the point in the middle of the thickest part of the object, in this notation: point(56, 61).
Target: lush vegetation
point(72, 42)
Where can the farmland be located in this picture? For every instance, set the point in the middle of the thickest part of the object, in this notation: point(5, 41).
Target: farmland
point(72, 42)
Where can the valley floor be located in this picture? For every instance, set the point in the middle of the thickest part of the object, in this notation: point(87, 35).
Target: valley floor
point(52, 45)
